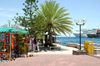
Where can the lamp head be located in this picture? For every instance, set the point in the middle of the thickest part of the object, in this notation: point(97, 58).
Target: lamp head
point(83, 20)
point(9, 21)
point(76, 21)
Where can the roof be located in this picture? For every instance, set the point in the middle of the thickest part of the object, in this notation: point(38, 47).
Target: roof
point(25, 32)
point(11, 29)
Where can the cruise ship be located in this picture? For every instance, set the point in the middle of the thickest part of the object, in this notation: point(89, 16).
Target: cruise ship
point(85, 32)
point(77, 34)
point(94, 35)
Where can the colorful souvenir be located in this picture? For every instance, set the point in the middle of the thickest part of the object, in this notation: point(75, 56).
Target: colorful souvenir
point(2, 37)
point(12, 41)
point(7, 39)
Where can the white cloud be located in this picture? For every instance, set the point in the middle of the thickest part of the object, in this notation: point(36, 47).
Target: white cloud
point(15, 10)
point(6, 15)
point(9, 12)
point(1, 9)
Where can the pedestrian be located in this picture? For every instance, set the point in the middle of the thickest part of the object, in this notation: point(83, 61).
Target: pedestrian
point(33, 44)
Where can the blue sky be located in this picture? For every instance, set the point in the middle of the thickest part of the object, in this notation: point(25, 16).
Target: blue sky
point(89, 9)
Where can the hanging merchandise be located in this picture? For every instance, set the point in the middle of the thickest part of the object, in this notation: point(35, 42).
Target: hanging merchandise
point(7, 38)
point(12, 41)
point(26, 41)
point(1, 46)
point(2, 37)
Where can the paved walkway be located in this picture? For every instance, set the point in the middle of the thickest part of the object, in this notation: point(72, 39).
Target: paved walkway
point(63, 57)
point(63, 50)
point(55, 60)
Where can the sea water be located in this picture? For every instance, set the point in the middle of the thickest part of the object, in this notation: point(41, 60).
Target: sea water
point(76, 40)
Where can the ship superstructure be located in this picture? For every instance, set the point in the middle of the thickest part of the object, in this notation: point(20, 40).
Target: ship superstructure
point(85, 32)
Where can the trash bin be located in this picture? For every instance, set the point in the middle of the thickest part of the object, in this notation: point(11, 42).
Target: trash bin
point(86, 44)
point(91, 49)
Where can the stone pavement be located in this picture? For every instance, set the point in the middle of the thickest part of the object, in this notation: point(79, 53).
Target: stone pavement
point(55, 60)
point(63, 50)
point(63, 57)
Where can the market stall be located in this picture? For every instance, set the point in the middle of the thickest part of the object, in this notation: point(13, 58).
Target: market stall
point(10, 42)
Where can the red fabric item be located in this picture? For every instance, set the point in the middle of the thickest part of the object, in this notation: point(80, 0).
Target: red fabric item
point(12, 41)
point(32, 41)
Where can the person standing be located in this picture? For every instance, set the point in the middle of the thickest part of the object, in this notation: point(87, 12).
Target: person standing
point(35, 42)
point(33, 45)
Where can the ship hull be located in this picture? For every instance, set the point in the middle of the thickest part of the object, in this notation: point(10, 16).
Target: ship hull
point(93, 35)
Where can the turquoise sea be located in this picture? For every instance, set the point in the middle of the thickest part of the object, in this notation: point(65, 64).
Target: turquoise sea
point(65, 40)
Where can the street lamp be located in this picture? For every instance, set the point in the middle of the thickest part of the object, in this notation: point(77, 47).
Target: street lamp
point(9, 22)
point(80, 24)
point(10, 39)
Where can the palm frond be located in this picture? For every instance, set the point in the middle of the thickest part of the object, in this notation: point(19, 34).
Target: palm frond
point(55, 18)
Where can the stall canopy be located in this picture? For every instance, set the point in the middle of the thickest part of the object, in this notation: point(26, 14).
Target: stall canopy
point(11, 29)
point(24, 32)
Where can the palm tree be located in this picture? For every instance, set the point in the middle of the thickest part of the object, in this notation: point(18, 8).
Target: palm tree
point(55, 18)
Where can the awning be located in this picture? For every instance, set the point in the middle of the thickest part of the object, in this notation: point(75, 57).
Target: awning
point(25, 32)
point(11, 29)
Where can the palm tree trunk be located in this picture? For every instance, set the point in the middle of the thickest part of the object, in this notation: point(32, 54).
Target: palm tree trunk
point(45, 39)
point(50, 37)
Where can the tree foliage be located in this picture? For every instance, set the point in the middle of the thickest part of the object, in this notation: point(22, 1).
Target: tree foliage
point(55, 18)
point(50, 18)
point(27, 20)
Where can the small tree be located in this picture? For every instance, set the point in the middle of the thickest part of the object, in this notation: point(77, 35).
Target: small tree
point(27, 20)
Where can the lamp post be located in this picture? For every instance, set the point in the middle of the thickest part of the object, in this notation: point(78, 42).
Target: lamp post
point(80, 24)
point(9, 22)
point(10, 38)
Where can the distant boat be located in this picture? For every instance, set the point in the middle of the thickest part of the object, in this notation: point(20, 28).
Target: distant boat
point(72, 35)
point(77, 34)
point(94, 35)
point(85, 32)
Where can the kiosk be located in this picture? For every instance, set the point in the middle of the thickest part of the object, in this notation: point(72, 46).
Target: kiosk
point(10, 42)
